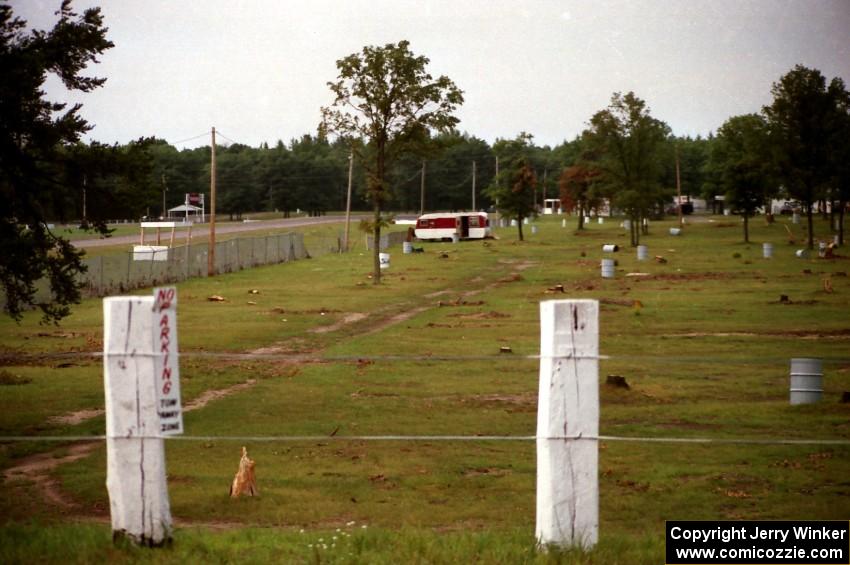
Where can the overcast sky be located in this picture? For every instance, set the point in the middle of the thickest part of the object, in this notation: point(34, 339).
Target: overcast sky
point(258, 70)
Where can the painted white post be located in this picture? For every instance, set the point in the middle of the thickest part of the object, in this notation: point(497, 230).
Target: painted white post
point(568, 407)
point(135, 455)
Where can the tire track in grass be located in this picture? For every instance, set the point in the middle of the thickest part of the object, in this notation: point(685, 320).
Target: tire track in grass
point(38, 469)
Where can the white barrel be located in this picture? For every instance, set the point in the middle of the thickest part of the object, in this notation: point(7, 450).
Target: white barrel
point(533, 230)
point(564, 223)
point(525, 221)
point(407, 247)
point(726, 212)
point(384, 259)
point(795, 218)
point(587, 219)
point(610, 248)
point(642, 252)
point(600, 220)
point(675, 231)
point(513, 223)
point(627, 224)
point(455, 238)
point(806, 381)
point(607, 268)
point(767, 250)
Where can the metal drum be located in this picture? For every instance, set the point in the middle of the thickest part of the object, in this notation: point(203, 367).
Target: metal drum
point(806, 380)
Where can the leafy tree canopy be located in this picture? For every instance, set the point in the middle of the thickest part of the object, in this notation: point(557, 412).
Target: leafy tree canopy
point(629, 145)
point(33, 132)
point(802, 126)
point(741, 158)
point(385, 96)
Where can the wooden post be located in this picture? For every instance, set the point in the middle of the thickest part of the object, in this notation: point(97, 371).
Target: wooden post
point(568, 409)
point(473, 186)
point(211, 252)
point(679, 189)
point(135, 455)
point(422, 191)
point(348, 201)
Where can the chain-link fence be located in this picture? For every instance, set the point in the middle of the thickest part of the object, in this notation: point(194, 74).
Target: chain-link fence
point(111, 274)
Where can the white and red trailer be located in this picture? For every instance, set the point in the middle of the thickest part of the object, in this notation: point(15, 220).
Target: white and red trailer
point(447, 225)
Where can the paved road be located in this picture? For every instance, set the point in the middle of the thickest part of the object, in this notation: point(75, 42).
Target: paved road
point(202, 230)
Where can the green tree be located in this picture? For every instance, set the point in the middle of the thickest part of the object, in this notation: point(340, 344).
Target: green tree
point(235, 179)
point(629, 147)
point(32, 133)
point(741, 158)
point(693, 154)
point(513, 188)
point(802, 124)
point(840, 162)
point(385, 96)
point(450, 174)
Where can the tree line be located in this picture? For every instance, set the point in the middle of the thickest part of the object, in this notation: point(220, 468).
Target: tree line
point(394, 124)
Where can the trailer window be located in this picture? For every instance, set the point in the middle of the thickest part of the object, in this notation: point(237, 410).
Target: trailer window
point(473, 221)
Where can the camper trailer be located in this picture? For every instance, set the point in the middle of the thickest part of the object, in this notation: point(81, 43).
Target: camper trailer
point(448, 225)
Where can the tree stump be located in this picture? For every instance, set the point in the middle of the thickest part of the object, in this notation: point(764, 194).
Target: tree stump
point(244, 482)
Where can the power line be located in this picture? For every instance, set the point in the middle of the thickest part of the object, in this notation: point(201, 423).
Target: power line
point(218, 133)
point(205, 134)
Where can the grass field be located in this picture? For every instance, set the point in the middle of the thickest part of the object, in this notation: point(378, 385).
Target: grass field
point(703, 340)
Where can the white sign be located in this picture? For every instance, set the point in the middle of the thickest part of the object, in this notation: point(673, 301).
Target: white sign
point(166, 366)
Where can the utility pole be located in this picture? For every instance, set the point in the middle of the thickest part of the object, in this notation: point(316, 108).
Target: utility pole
point(545, 174)
point(348, 201)
point(85, 217)
point(497, 180)
point(164, 190)
point(679, 189)
point(422, 191)
point(211, 253)
point(473, 187)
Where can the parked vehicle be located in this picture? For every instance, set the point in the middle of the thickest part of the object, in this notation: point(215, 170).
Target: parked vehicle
point(789, 207)
point(447, 225)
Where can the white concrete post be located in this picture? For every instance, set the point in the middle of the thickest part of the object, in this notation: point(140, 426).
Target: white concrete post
point(568, 407)
point(135, 455)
